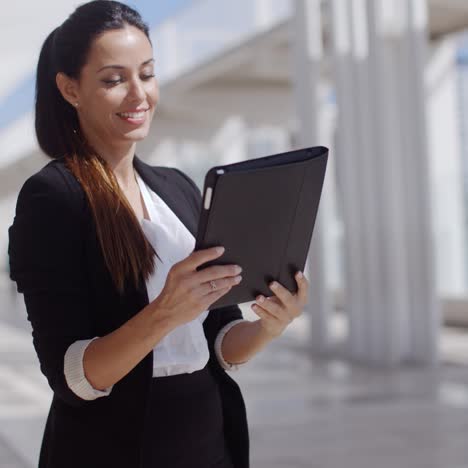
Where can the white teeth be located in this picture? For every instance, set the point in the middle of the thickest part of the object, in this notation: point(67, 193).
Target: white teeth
point(132, 115)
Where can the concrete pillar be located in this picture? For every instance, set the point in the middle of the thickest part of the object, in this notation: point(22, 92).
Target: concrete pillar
point(398, 35)
point(425, 318)
point(383, 172)
point(306, 36)
point(391, 324)
point(348, 167)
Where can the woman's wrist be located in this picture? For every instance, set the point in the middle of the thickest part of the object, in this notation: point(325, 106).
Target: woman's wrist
point(243, 341)
point(161, 318)
point(264, 335)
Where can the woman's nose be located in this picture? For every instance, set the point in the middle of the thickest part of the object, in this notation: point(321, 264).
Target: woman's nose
point(136, 89)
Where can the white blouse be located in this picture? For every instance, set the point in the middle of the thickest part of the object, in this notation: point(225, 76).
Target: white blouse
point(184, 349)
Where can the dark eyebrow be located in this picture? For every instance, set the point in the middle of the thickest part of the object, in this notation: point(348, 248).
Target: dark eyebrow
point(120, 67)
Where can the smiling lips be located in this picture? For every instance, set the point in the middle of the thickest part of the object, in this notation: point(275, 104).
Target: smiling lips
point(136, 117)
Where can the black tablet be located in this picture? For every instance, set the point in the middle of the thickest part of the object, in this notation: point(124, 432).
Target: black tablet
point(263, 212)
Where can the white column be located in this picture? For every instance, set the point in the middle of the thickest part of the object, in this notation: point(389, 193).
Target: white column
point(398, 63)
point(383, 173)
point(391, 317)
point(425, 318)
point(348, 167)
point(307, 39)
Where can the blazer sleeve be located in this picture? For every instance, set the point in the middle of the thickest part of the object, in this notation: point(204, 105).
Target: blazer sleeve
point(46, 255)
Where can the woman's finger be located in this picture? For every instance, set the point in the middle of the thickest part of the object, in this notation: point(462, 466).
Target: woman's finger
point(285, 296)
point(303, 288)
point(264, 314)
point(275, 308)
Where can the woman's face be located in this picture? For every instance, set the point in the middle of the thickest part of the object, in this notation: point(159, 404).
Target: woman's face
point(117, 90)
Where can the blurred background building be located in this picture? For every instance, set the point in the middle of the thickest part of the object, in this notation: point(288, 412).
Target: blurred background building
point(382, 83)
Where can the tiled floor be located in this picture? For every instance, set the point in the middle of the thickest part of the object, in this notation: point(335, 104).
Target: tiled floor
point(302, 412)
point(324, 415)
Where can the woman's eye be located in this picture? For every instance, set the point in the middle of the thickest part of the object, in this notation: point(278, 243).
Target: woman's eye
point(111, 82)
point(117, 81)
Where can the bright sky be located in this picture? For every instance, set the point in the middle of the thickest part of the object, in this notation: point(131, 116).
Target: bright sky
point(154, 12)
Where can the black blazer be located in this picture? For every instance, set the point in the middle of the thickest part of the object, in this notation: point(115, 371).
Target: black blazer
point(57, 263)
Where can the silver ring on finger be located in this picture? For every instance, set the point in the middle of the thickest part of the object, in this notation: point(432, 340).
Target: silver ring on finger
point(213, 285)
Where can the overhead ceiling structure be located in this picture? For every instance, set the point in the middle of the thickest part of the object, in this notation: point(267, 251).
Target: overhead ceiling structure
point(447, 16)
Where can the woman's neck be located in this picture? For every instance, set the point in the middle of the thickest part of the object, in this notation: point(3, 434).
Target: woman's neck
point(119, 158)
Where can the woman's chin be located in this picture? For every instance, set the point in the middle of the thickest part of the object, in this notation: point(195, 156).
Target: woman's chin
point(135, 135)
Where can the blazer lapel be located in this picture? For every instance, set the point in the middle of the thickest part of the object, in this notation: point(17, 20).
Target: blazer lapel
point(169, 191)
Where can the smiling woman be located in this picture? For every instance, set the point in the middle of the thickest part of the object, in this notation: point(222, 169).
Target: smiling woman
point(124, 334)
point(85, 110)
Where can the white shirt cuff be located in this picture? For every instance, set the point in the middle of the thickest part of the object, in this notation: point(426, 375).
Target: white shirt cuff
point(219, 339)
point(74, 372)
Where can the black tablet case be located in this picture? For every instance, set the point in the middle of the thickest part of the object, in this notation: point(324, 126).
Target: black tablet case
point(263, 212)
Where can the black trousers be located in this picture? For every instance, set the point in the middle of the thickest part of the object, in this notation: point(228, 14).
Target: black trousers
point(184, 424)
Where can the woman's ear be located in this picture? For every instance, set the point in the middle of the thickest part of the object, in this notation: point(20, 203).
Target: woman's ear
point(68, 88)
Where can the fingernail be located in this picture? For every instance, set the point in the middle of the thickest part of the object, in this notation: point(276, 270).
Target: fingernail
point(299, 274)
point(220, 250)
point(261, 299)
point(273, 285)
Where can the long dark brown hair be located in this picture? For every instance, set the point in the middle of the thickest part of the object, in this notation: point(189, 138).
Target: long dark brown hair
point(126, 251)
